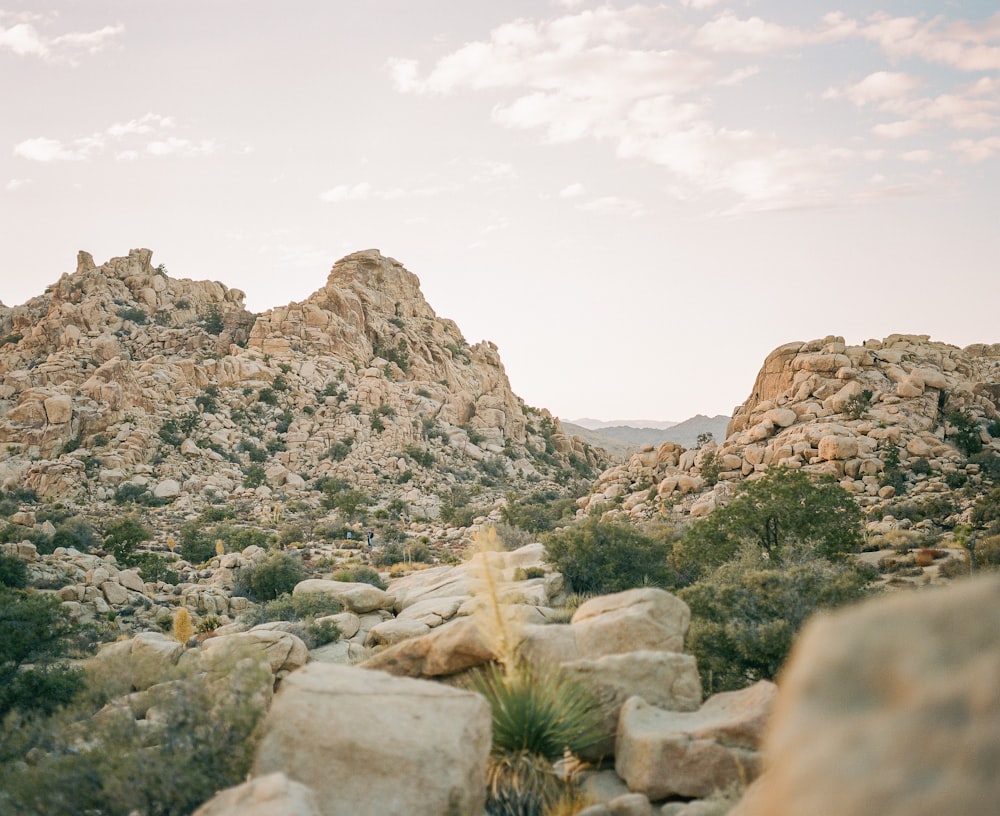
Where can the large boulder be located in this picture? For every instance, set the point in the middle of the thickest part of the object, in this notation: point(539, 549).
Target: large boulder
point(356, 597)
point(637, 619)
point(666, 680)
point(449, 649)
point(271, 795)
point(891, 707)
point(146, 659)
point(283, 651)
point(368, 742)
point(669, 753)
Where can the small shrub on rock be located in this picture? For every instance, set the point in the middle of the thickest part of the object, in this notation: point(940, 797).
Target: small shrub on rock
point(13, 572)
point(276, 576)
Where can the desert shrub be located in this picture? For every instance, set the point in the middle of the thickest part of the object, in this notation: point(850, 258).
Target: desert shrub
point(75, 532)
point(208, 400)
point(964, 431)
point(745, 614)
point(422, 457)
point(989, 464)
point(986, 511)
point(211, 320)
point(987, 552)
point(13, 572)
point(857, 405)
point(538, 709)
point(348, 501)
point(154, 567)
point(935, 507)
point(921, 467)
point(121, 537)
point(36, 635)
point(291, 534)
point(525, 784)
point(202, 740)
point(254, 476)
point(276, 576)
point(133, 313)
point(287, 607)
point(339, 450)
point(777, 511)
point(955, 479)
point(954, 568)
point(538, 512)
point(604, 557)
point(710, 467)
point(360, 575)
point(513, 537)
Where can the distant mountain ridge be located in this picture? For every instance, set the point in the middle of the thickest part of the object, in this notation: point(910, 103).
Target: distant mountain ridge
point(600, 424)
point(620, 440)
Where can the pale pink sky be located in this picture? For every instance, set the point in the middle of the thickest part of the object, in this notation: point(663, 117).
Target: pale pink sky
point(635, 201)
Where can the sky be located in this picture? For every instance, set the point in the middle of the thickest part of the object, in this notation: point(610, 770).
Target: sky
point(635, 201)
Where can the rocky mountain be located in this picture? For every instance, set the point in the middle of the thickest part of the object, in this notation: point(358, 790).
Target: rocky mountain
point(120, 375)
point(622, 440)
point(903, 419)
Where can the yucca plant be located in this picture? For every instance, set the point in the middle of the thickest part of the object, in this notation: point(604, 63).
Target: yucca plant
point(540, 710)
point(522, 784)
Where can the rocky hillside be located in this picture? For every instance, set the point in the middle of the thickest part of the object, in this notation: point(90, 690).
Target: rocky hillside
point(120, 377)
point(623, 440)
point(902, 422)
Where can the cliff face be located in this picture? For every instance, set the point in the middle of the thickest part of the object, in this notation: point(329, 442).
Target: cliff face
point(120, 372)
point(828, 408)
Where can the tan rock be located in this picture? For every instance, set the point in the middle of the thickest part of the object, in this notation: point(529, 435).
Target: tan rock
point(891, 707)
point(663, 753)
point(665, 679)
point(59, 409)
point(273, 794)
point(838, 447)
point(328, 728)
point(449, 649)
point(283, 651)
point(356, 597)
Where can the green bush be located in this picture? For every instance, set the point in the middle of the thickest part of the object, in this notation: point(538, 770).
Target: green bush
point(36, 634)
point(303, 607)
point(133, 313)
point(964, 431)
point(784, 507)
point(13, 572)
point(202, 740)
point(254, 476)
point(601, 557)
point(986, 511)
point(154, 567)
point(76, 533)
point(538, 512)
point(745, 614)
point(122, 537)
point(276, 576)
point(360, 575)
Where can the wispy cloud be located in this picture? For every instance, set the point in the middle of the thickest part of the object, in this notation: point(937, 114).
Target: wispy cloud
point(148, 135)
point(16, 184)
point(648, 81)
point(24, 39)
point(364, 191)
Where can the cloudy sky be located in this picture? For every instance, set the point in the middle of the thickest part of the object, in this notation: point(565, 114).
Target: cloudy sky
point(635, 201)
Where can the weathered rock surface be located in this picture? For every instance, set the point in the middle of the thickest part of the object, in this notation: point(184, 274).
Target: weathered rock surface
point(892, 707)
point(366, 741)
point(828, 408)
point(667, 753)
point(271, 795)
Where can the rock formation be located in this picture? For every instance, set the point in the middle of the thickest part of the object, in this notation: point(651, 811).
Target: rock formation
point(849, 412)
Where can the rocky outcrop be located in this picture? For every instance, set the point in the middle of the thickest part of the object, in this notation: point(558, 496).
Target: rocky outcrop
point(828, 408)
point(892, 707)
point(121, 379)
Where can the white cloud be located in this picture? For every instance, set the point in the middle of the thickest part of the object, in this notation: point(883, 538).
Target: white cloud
point(16, 184)
point(24, 39)
point(917, 156)
point(876, 88)
point(175, 146)
point(42, 149)
point(962, 45)
point(344, 192)
point(613, 206)
point(730, 34)
point(146, 135)
point(364, 191)
point(572, 190)
point(738, 76)
point(976, 151)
